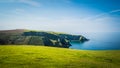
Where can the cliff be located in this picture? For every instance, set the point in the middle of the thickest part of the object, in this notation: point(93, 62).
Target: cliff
point(28, 37)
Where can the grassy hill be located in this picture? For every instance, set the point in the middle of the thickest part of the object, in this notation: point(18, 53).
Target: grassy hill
point(50, 57)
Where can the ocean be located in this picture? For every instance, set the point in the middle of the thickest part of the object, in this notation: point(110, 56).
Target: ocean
point(99, 41)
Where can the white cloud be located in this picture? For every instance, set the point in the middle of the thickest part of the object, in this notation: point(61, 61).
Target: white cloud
point(102, 15)
point(118, 10)
point(67, 1)
point(30, 2)
point(27, 2)
point(18, 11)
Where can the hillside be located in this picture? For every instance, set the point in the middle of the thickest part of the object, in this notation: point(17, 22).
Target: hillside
point(32, 37)
point(50, 57)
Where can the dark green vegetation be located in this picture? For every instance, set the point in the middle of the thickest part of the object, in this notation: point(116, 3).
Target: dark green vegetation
point(50, 57)
point(28, 37)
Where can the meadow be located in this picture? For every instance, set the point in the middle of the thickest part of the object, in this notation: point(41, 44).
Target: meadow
point(24, 56)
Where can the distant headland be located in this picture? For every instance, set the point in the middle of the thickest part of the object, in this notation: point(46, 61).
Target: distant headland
point(32, 37)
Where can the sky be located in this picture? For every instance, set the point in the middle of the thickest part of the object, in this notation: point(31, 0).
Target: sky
point(70, 16)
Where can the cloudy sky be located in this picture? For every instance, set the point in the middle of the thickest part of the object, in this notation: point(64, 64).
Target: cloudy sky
point(69, 16)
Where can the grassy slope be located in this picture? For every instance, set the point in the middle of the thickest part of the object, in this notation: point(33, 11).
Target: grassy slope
point(50, 57)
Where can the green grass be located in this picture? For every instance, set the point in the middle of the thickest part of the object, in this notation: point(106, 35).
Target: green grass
point(50, 57)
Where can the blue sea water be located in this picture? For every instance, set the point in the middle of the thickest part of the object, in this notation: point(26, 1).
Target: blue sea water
point(99, 41)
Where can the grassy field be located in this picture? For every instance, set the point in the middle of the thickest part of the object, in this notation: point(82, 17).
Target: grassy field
point(50, 57)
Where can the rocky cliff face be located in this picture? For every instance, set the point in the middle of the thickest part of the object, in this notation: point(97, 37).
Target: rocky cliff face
point(38, 38)
point(73, 37)
point(50, 39)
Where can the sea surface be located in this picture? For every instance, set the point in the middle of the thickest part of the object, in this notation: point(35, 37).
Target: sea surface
point(99, 41)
